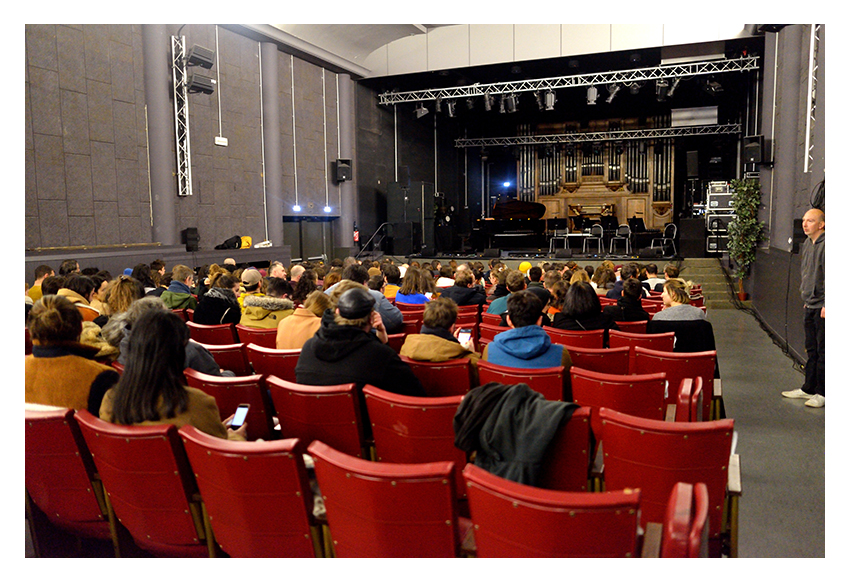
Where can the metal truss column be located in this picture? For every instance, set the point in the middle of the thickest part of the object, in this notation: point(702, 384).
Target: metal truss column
point(181, 116)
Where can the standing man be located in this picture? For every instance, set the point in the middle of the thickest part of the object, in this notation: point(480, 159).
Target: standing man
point(812, 276)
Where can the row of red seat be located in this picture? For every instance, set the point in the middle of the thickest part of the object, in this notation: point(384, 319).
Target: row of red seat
point(180, 498)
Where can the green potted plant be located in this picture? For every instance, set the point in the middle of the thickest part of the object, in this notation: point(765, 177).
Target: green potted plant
point(746, 231)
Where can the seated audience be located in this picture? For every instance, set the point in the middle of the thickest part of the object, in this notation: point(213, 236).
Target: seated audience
point(514, 282)
point(582, 311)
point(101, 283)
point(142, 274)
point(306, 283)
point(79, 290)
point(652, 278)
point(446, 278)
point(41, 273)
point(344, 349)
point(392, 276)
point(411, 292)
point(295, 330)
point(603, 280)
point(628, 306)
point(267, 311)
point(120, 327)
point(252, 285)
point(526, 344)
point(179, 292)
point(152, 388)
point(556, 302)
point(437, 339)
point(69, 266)
point(464, 292)
point(676, 297)
point(219, 305)
point(391, 317)
point(61, 371)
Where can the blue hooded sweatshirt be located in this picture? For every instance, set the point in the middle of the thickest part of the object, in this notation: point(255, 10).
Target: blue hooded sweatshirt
point(524, 347)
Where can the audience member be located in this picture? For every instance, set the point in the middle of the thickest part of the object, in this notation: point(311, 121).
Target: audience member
point(158, 266)
point(61, 371)
point(411, 289)
point(603, 280)
point(582, 311)
point(556, 302)
point(463, 292)
point(152, 387)
point(294, 331)
point(101, 284)
point(268, 310)
point(629, 271)
point(52, 284)
point(344, 350)
point(219, 305)
point(391, 317)
point(41, 273)
point(628, 307)
point(79, 290)
point(296, 272)
point(446, 278)
point(251, 285)
point(121, 292)
point(179, 292)
point(119, 329)
point(515, 282)
point(142, 273)
point(676, 297)
point(392, 275)
point(670, 272)
point(437, 340)
point(69, 266)
point(526, 344)
point(652, 278)
point(306, 283)
point(276, 269)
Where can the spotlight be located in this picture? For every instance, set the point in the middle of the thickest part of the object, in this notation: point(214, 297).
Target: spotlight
point(488, 101)
point(549, 100)
point(438, 105)
point(297, 208)
point(420, 111)
point(634, 88)
point(613, 89)
point(451, 106)
point(539, 100)
point(712, 87)
point(502, 103)
point(510, 103)
point(200, 56)
point(673, 86)
point(661, 89)
point(200, 84)
point(327, 208)
point(591, 95)
point(470, 103)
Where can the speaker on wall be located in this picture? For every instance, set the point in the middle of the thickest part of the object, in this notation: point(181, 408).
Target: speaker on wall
point(693, 164)
point(753, 145)
point(342, 170)
point(190, 238)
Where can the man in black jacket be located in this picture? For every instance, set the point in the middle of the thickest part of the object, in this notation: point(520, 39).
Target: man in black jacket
point(344, 350)
point(463, 292)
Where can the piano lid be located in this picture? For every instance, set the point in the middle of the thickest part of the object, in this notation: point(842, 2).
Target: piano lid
point(518, 209)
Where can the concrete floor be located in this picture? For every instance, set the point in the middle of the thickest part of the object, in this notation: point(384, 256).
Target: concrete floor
point(781, 443)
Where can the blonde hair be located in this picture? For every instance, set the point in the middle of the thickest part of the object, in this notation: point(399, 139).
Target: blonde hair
point(318, 302)
point(580, 275)
point(678, 291)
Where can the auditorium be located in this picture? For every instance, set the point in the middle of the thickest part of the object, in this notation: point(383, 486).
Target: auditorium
point(283, 281)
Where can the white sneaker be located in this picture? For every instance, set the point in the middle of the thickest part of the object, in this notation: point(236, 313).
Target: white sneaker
point(816, 401)
point(798, 393)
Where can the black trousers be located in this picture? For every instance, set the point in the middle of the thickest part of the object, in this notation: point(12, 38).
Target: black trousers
point(815, 327)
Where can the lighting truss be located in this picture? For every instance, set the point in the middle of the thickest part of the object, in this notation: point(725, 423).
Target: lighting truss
point(181, 115)
point(625, 77)
point(600, 136)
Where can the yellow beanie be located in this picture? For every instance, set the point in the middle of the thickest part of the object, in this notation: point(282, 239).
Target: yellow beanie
point(524, 266)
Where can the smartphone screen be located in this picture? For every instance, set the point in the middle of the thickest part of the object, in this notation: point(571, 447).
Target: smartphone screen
point(239, 416)
point(464, 335)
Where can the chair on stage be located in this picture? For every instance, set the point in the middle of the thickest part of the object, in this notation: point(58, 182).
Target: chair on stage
point(256, 335)
point(447, 378)
point(331, 414)
point(654, 455)
point(230, 392)
point(389, 510)
point(222, 334)
point(547, 381)
point(273, 362)
point(596, 235)
point(667, 237)
point(513, 520)
point(257, 495)
point(60, 477)
point(233, 357)
point(150, 485)
point(624, 234)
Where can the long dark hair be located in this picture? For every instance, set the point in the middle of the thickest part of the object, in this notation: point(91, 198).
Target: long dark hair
point(581, 301)
point(153, 370)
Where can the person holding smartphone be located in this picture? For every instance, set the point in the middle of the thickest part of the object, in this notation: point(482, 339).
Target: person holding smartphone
point(439, 339)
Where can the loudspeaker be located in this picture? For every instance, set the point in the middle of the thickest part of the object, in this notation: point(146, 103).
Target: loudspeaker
point(693, 164)
point(563, 253)
point(650, 253)
point(406, 238)
point(190, 238)
point(799, 235)
point(692, 237)
point(752, 149)
point(342, 170)
point(491, 253)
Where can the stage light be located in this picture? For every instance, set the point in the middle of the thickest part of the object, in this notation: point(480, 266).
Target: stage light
point(506, 184)
point(420, 111)
point(327, 208)
point(591, 95)
point(661, 89)
point(634, 88)
point(297, 208)
point(470, 103)
point(549, 100)
point(510, 103)
point(613, 89)
point(438, 105)
point(488, 101)
point(673, 86)
point(451, 106)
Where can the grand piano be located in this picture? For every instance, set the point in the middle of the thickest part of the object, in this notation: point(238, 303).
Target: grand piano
point(515, 224)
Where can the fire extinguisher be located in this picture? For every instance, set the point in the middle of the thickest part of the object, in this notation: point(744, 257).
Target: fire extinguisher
point(356, 235)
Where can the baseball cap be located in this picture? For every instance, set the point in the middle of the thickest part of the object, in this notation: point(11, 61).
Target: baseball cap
point(355, 303)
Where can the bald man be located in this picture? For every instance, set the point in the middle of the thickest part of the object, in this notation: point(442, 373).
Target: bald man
point(812, 276)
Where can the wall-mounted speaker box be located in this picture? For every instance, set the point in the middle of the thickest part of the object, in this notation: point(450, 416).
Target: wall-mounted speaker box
point(342, 170)
point(753, 147)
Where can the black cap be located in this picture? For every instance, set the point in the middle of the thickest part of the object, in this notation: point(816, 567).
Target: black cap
point(355, 304)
